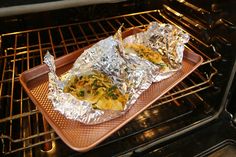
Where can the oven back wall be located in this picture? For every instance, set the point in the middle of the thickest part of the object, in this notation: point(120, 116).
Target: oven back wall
point(75, 14)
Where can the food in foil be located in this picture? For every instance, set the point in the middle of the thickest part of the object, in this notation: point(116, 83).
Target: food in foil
point(97, 89)
point(149, 54)
point(162, 45)
point(124, 81)
point(107, 78)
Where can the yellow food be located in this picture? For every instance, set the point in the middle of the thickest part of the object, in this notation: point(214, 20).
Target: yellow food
point(148, 54)
point(97, 89)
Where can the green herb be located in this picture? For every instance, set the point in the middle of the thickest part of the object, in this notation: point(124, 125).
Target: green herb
point(112, 88)
point(161, 64)
point(112, 95)
point(96, 93)
point(94, 83)
point(94, 106)
point(81, 93)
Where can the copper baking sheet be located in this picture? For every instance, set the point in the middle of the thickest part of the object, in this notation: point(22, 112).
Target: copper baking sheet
point(82, 137)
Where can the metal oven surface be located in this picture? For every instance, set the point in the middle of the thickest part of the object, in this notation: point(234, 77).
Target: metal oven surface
point(193, 102)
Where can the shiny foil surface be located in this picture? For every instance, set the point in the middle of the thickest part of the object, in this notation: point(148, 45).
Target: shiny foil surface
point(130, 73)
point(165, 39)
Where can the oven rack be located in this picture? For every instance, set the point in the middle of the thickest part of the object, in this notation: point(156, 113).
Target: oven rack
point(23, 50)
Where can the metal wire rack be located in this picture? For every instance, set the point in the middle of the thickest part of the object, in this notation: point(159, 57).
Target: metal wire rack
point(23, 50)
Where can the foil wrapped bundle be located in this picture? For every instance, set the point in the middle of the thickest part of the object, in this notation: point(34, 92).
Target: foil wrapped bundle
point(103, 56)
point(116, 74)
point(165, 41)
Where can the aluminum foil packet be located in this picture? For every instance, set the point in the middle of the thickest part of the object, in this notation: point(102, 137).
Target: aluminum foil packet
point(105, 57)
point(131, 73)
point(163, 39)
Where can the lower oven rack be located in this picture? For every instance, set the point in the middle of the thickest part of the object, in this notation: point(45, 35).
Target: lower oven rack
point(23, 50)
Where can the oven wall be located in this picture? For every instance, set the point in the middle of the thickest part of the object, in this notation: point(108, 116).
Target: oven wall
point(9, 8)
point(52, 17)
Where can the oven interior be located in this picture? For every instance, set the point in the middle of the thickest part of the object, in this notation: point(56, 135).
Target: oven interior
point(196, 101)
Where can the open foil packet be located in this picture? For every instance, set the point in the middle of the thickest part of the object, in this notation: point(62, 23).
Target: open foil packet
point(130, 73)
point(103, 56)
point(164, 40)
